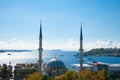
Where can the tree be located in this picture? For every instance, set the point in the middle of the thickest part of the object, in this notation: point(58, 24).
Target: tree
point(93, 75)
point(34, 76)
point(69, 75)
point(72, 75)
point(102, 75)
point(86, 75)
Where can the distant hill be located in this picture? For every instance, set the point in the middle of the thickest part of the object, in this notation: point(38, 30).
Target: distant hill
point(3, 51)
point(102, 52)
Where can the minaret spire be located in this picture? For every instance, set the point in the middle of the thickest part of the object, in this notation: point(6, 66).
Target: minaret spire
point(40, 35)
point(81, 36)
point(81, 48)
point(40, 49)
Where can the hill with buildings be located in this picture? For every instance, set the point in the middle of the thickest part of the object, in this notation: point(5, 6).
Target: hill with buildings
point(103, 52)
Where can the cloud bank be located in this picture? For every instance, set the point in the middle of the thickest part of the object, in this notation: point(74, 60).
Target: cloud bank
point(69, 44)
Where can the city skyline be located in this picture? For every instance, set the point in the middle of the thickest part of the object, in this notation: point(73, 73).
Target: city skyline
point(61, 21)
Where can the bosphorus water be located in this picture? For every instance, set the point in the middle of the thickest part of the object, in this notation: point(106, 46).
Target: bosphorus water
point(66, 56)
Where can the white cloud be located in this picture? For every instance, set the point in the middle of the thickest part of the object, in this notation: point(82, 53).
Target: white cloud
point(102, 44)
point(69, 44)
point(17, 44)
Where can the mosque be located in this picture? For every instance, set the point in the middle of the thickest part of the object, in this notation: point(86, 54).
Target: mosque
point(55, 66)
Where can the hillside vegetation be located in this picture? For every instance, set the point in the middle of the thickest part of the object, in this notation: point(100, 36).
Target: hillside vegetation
point(72, 75)
point(103, 52)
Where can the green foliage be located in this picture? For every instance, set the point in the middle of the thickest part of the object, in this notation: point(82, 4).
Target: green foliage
point(46, 77)
point(84, 75)
point(34, 76)
point(72, 75)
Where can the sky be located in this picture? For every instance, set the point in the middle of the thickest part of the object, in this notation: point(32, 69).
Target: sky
point(61, 21)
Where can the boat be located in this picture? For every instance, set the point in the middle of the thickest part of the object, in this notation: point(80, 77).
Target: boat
point(8, 53)
point(62, 55)
point(89, 58)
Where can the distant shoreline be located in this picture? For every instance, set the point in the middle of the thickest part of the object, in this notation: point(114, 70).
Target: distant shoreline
point(113, 52)
point(3, 51)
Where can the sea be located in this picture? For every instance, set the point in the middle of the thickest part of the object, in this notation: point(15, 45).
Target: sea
point(67, 57)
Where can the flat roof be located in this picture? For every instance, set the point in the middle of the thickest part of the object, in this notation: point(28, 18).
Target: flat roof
point(84, 65)
point(114, 65)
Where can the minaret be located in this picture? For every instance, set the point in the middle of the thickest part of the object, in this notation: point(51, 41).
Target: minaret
point(40, 49)
point(81, 49)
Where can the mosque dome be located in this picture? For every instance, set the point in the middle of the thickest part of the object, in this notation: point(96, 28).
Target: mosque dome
point(55, 63)
point(55, 67)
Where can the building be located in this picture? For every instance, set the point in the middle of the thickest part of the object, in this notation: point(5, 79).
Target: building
point(5, 72)
point(23, 70)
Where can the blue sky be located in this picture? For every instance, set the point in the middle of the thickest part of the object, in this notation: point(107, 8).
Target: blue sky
point(20, 21)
